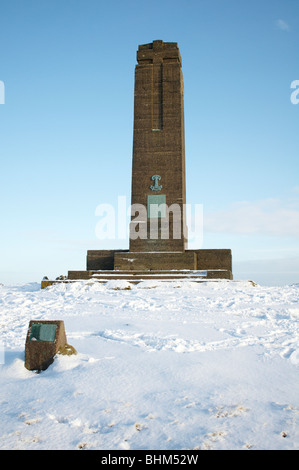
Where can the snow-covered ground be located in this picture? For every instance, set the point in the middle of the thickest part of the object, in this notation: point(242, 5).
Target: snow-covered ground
point(174, 365)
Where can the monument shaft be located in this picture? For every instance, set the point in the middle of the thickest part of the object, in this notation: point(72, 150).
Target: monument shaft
point(158, 173)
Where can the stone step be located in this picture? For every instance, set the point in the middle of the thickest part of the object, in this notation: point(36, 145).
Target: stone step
point(173, 272)
point(144, 277)
point(139, 276)
point(127, 274)
point(161, 274)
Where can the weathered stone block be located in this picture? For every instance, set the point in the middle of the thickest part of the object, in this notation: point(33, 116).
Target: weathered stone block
point(79, 275)
point(219, 274)
point(100, 259)
point(214, 259)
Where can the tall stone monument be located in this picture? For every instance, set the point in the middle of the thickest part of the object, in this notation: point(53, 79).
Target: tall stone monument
point(158, 232)
point(158, 175)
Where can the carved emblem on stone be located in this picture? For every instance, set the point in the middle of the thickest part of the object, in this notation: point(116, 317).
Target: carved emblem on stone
point(156, 186)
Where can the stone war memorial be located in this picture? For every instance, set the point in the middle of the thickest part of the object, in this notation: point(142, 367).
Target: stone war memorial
point(158, 245)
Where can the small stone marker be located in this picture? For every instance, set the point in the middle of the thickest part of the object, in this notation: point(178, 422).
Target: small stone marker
point(45, 338)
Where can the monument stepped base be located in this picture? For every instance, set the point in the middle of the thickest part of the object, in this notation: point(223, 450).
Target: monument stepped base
point(135, 267)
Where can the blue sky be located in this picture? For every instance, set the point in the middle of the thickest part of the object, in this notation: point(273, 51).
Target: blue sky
point(66, 127)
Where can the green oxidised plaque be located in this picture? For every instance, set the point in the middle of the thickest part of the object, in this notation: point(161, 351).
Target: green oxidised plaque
point(42, 332)
point(156, 206)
